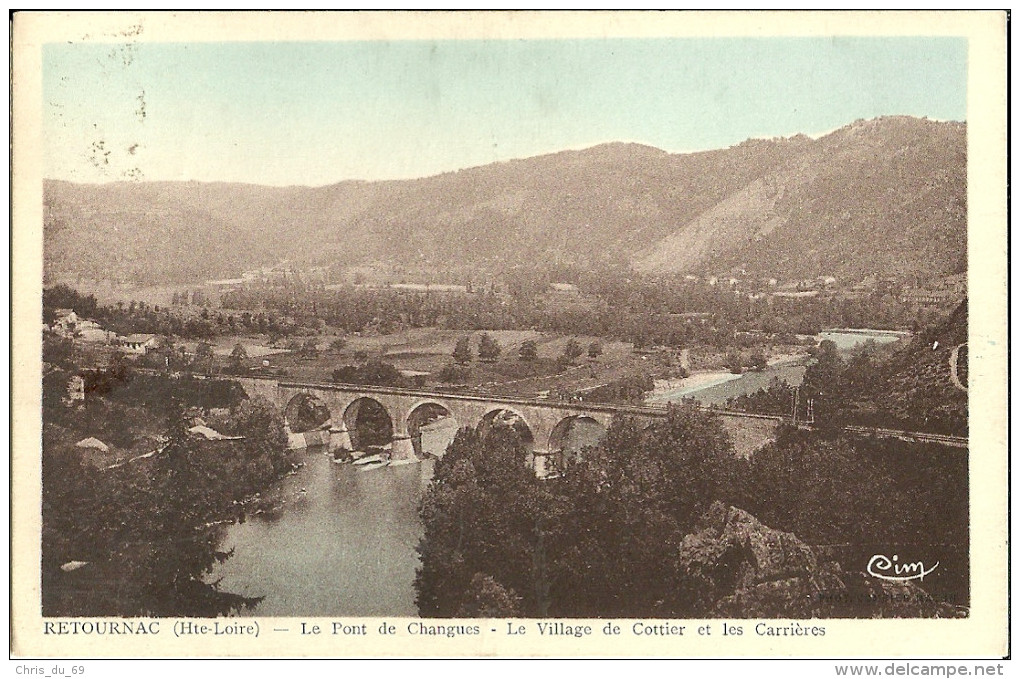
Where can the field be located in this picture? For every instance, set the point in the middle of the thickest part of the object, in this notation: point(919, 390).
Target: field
point(426, 351)
point(421, 354)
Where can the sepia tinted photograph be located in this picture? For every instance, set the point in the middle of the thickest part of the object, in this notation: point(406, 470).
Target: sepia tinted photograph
point(656, 328)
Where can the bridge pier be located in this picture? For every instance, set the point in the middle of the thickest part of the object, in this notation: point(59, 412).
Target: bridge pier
point(402, 448)
point(341, 438)
point(294, 441)
point(540, 463)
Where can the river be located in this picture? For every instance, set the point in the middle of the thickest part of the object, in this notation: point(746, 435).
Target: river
point(715, 388)
point(853, 337)
point(342, 544)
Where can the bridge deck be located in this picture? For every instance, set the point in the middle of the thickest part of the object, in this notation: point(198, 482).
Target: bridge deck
point(639, 410)
point(657, 411)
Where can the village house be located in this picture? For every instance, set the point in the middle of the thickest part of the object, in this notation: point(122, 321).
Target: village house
point(567, 289)
point(65, 322)
point(690, 317)
point(226, 283)
point(947, 291)
point(138, 344)
point(795, 294)
point(956, 284)
point(928, 298)
point(93, 333)
point(868, 285)
point(68, 324)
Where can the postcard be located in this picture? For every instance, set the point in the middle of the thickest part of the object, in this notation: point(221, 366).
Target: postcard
point(504, 334)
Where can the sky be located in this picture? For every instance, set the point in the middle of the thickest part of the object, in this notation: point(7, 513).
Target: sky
point(315, 113)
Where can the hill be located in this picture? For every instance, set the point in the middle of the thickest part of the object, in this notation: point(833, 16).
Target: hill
point(880, 197)
point(919, 388)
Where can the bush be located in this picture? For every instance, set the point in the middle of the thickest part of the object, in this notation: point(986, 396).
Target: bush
point(572, 350)
point(733, 363)
point(630, 389)
point(454, 374)
point(528, 351)
point(375, 373)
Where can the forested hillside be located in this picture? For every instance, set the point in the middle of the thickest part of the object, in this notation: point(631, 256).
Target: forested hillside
point(883, 197)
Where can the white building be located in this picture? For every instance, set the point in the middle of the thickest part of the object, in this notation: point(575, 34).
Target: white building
point(138, 344)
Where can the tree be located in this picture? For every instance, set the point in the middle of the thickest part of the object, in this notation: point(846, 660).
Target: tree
point(595, 349)
point(310, 348)
point(486, 598)
point(177, 553)
point(486, 518)
point(823, 385)
point(238, 357)
point(204, 354)
point(733, 363)
point(462, 351)
point(58, 351)
point(262, 425)
point(635, 497)
point(120, 369)
point(338, 345)
point(488, 348)
point(824, 491)
point(572, 350)
point(528, 351)
point(627, 389)
point(758, 360)
point(601, 540)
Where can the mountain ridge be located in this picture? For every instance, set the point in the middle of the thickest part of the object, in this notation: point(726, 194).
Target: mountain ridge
point(784, 207)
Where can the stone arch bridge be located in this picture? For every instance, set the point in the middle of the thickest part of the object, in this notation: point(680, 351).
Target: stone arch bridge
point(545, 425)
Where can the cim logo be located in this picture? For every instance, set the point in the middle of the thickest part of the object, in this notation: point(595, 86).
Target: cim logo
point(884, 568)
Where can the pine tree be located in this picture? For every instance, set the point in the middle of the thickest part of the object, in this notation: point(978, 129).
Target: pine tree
point(462, 352)
point(572, 350)
point(529, 350)
point(488, 348)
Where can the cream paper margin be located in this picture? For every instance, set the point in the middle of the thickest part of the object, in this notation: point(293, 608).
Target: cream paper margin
point(983, 634)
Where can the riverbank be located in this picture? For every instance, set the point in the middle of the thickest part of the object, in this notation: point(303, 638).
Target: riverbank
point(677, 388)
point(672, 388)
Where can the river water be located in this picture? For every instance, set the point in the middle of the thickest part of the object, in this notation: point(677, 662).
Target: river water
point(724, 385)
point(342, 544)
point(848, 340)
point(343, 540)
point(737, 385)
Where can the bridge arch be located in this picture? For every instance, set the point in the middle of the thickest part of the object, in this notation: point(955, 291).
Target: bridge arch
point(431, 426)
point(306, 412)
point(368, 422)
point(511, 418)
point(575, 432)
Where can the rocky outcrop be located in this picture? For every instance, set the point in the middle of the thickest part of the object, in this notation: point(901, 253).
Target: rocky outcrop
point(739, 567)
